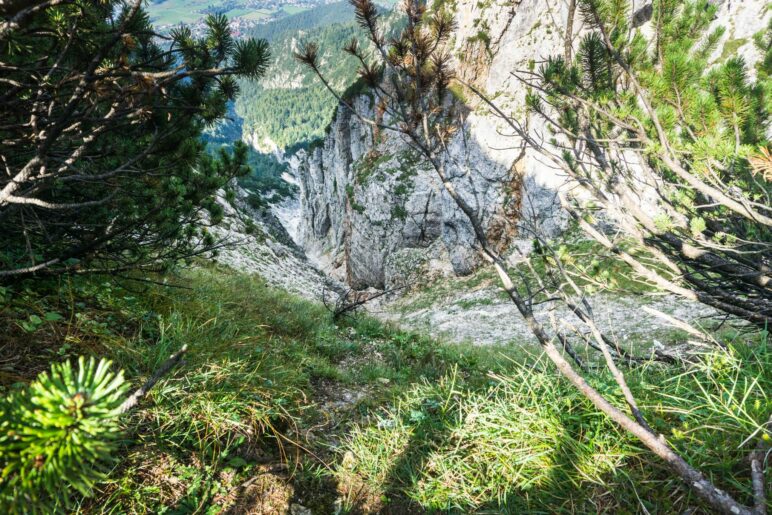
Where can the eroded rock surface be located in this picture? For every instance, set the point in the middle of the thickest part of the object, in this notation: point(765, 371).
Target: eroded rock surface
point(367, 196)
point(257, 242)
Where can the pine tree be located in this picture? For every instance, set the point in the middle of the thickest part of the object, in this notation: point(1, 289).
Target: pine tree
point(104, 168)
point(59, 434)
point(694, 132)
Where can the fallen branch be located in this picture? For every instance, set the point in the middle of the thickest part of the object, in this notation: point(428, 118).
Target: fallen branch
point(680, 324)
point(758, 459)
point(757, 478)
point(351, 300)
point(164, 369)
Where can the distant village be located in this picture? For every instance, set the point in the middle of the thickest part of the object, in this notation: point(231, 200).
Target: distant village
point(241, 25)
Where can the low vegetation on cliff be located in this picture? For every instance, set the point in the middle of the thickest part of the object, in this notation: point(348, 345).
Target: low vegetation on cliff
point(140, 375)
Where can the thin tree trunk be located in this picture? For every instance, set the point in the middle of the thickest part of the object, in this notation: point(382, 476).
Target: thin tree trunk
point(569, 37)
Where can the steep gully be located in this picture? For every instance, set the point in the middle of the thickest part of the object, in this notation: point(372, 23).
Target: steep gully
point(369, 215)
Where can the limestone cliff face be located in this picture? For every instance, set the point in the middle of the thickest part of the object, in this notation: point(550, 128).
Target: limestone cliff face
point(367, 202)
point(371, 213)
point(361, 201)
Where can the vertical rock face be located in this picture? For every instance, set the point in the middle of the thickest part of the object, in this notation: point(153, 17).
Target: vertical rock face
point(369, 207)
point(364, 197)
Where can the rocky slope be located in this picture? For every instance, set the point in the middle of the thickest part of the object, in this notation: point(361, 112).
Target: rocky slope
point(256, 241)
point(475, 310)
point(370, 212)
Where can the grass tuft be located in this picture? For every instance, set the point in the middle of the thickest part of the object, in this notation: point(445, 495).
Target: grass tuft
point(529, 442)
point(277, 403)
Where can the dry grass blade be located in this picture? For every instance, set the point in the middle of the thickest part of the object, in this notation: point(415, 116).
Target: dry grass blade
point(761, 164)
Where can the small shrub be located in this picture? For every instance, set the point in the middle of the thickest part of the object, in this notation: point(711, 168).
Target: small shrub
point(59, 433)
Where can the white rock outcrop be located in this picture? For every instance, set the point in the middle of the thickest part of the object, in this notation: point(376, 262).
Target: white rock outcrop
point(365, 198)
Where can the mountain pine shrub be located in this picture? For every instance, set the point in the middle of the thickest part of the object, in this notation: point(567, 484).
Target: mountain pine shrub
point(104, 166)
point(58, 434)
point(636, 116)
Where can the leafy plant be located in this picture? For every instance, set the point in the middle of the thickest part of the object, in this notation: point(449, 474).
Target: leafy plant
point(59, 433)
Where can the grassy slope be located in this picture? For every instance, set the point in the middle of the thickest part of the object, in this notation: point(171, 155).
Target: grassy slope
point(277, 403)
point(260, 363)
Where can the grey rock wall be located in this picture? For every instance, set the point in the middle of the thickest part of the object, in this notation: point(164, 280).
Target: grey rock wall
point(366, 199)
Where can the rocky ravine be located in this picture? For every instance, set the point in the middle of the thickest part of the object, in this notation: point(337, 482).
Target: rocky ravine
point(369, 214)
point(361, 203)
point(481, 315)
point(365, 198)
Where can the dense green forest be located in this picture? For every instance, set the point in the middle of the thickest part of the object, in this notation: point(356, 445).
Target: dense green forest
point(293, 106)
point(264, 181)
point(291, 116)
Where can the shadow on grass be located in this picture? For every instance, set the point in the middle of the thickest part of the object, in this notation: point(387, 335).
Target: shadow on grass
point(512, 447)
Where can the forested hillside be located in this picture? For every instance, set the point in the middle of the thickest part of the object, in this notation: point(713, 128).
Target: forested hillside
point(264, 182)
point(323, 15)
point(292, 106)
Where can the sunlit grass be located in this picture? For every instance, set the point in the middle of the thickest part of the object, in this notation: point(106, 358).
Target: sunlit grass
point(428, 425)
point(531, 442)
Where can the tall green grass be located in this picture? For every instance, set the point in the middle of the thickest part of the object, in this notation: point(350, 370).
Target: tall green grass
point(260, 364)
point(433, 427)
point(530, 443)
